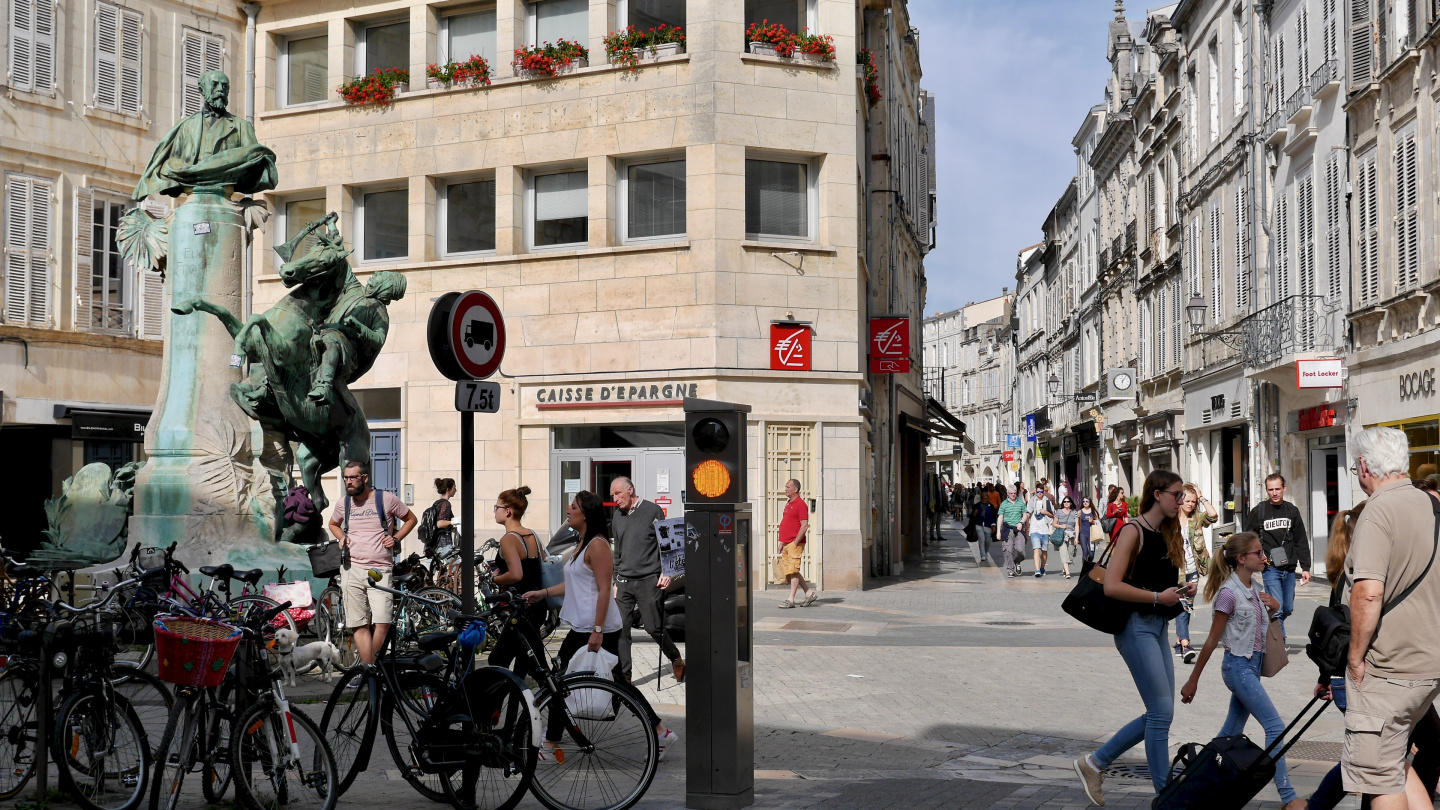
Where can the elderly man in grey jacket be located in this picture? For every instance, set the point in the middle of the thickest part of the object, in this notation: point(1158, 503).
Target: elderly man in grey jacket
point(638, 581)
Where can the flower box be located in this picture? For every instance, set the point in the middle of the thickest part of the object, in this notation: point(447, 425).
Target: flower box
point(812, 58)
point(560, 70)
point(401, 88)
point(763, 49)
point(435, 84)
point(667, 49)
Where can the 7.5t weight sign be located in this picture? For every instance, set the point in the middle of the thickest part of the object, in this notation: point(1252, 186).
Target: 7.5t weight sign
point(477, 396)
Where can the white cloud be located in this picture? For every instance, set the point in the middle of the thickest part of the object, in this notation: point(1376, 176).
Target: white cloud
point(1013, 80)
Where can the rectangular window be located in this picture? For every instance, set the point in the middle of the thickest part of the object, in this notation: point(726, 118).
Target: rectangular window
point(1282, 244)
point(470, 34)
point(647, 14)
point(1367, 211)
point(1407, 212)
point(306, 66)
point(1242, 247)
point(32, 46)
point(554, 20)
point(29, 228)
point(1216, 295)
point(654, 195)
point(777, 199)
point(1362, 48)
point(385, 225)
point(199, 53)
point(1212, 72)
point(384, 47)
point(117, 59)
point(795, 15)
point(561, 209)
point(1333, 225)
point(1237, 68)
point(296, 215)
point(1302, 46)
point(1330, 36)
point(1305, 234)
point(469, 217)
point(111, 279)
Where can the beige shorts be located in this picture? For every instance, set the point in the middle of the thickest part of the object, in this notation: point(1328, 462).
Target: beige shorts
point(1379, 716)
point(363, 604)
point(791, 555)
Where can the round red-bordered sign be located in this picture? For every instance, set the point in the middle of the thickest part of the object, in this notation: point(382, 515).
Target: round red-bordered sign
point(477, 334)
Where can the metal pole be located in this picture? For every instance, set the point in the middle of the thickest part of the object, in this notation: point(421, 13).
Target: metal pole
point(467, 508)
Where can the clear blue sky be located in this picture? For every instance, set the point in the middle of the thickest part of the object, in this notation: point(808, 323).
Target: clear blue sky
point(1013, 79)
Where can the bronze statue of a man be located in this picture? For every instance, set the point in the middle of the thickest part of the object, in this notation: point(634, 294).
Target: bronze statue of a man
point(209, 148)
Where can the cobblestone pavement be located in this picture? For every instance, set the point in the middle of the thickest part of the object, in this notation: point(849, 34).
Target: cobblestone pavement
point(951, 686)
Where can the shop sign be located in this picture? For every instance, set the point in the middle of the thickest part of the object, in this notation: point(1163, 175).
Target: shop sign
point(1068, 445)
point(1042, 451)
point(1317, 418)
point(1030, 428)
point(889, 345)
point(1012, 440)
point(1329, 373)
point(1008, 455)
point(615, 396)
point(789, 347)
point(1417, 384)
point(108, 426)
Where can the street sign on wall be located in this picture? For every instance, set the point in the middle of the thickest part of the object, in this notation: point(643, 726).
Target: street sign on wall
point(789, 347)
point(1012, 440)
point(889, 345)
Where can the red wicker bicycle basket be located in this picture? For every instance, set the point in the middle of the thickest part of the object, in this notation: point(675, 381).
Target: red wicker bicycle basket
point(194, 652)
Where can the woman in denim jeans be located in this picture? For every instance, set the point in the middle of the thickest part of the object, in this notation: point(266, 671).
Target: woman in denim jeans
point(1197, 560)
point(1242, 614)
point(1152, 549)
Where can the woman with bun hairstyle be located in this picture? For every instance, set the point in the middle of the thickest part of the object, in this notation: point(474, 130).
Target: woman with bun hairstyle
point(517, 566)
point(444, 517)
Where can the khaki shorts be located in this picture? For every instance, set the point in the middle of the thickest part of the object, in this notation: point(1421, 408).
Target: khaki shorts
point(790, 555)
point(1379, 716)
point(363, 604)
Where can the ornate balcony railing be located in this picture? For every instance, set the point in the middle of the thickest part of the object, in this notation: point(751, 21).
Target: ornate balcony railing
point(1274, 122)
point(1297, 100)
point(1130, 237)
point(1295, 325)
point(1323, 75)
point(1212, 350)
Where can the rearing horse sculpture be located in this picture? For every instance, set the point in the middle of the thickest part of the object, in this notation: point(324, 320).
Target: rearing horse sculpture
point(280, 345)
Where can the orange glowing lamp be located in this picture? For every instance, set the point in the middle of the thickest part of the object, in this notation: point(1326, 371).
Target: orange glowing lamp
point(710, 478)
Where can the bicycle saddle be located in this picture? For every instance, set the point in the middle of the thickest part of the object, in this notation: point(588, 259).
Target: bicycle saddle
point(251, 576)
point(437, 640)
point(20, 570)
point(218, 571)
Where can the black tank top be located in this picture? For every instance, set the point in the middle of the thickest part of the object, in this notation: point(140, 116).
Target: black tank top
point(529, 565)
point(1153, 570)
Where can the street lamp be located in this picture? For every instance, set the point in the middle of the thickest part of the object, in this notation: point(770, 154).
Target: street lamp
point(1053, 384)
point(1196, 311)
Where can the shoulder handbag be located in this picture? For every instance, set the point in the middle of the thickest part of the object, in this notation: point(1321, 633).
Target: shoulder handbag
point(1276, 656)
point(1108, 524)
point(1329, 634)
point(552, 572)
point(1057, 538)
point(1088, 603)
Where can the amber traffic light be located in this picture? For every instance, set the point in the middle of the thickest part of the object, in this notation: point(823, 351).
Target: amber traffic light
point(715, 456)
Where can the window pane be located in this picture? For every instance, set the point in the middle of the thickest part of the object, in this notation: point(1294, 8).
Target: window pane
point(561, 209)
point(776, 202)
point(298, 214)
point(308, 67)
point(387, 46)
point(655, 200)
point(470, 217)
point(789, 13)
point(387, 225)
point(472, 35)
point(647, 14)
point(562, 19)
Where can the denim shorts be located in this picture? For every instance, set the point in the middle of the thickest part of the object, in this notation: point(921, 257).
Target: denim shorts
point(1038, 540)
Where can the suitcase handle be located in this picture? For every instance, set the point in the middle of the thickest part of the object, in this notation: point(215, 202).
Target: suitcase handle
point(1281, 753)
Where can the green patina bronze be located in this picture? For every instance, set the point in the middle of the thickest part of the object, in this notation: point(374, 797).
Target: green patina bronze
point(209, 148)
point(88, 519)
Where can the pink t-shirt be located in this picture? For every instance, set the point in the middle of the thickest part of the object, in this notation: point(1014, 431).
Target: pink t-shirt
point(366, 531)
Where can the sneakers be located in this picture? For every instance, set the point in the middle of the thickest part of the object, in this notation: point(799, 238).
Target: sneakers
point(667, 739)
point(1179, 650)
point(1090, 780)
point(1010, 574)
point(1039, 574)
point(1018, 572)
point(550, 756)
point(1190, 656)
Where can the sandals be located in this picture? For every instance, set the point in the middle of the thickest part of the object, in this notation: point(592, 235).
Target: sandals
point(786, 604)
point(810, 599)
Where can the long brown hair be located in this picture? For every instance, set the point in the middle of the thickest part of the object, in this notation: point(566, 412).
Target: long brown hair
point(1338, 548)
point(1170, 526)
point(1222, 565)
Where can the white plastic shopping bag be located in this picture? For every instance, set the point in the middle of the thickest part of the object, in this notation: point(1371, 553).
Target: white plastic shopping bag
point(592, 704)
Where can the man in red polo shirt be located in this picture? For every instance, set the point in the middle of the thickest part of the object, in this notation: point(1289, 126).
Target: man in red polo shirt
point(794, 523)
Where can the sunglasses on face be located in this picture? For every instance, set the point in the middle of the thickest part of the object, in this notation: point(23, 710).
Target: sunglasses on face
point(1259, 551)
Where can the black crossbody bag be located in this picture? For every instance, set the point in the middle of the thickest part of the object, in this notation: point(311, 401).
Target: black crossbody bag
point(1329, 634)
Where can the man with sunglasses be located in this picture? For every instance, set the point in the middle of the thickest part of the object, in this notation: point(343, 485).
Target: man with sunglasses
point(371, 540)
point(1283, 537)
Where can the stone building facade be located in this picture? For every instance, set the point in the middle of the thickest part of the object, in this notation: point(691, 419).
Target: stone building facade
point(641, 230)
point(88, 91)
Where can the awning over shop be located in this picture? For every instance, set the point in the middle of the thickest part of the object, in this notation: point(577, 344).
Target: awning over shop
point(939, 423)
point(122, 426)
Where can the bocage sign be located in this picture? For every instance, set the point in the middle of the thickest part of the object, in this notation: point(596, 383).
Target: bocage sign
point(1417, 384)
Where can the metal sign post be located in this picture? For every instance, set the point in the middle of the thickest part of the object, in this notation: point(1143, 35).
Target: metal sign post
point(466, 336)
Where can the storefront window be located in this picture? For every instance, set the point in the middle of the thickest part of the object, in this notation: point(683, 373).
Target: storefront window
point(586, 437)
point(1424, 438)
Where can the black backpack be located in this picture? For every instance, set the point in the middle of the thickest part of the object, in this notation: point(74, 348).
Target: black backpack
point(427, 529)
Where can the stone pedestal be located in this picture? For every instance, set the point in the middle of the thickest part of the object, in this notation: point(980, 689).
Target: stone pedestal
point(203, 485)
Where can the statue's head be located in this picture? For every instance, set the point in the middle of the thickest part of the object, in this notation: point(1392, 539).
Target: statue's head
point(386, 286)
point(215, 89)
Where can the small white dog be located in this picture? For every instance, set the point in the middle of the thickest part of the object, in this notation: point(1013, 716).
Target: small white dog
point(300, 659)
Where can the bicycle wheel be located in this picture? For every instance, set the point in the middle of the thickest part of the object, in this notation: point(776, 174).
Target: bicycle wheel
point(481, 739)
point(17, 729)
point(349, 724)
point(175, 755)
point(151, 699)
point(608, 763)
point(434, 614)
point(134, 639)
point(333, 603)
point(241, 603)
point(100, 752)
point(270, 774)
point(421, 690)
point(216, 770)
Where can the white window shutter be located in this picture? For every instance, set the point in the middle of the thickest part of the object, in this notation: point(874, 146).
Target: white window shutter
point(42, 223)
point(130, 66)
point(22, 45)
point(1216, 288)
point(17, 247)
point(1177, 348)
point(107, 56)
point(84, 257)
point(43, 38)
point(1302, 46)
point(1282, 245)
point(192, 51)
point(1412, 211)
point(153, 306)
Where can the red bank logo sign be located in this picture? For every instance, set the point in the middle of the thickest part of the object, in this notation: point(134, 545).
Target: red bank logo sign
point(789, 348)
point(889, 345)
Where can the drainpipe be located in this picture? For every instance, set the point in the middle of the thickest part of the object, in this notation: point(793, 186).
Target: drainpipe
point(252, 10)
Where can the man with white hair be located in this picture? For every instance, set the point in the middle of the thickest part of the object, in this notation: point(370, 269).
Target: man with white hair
point(1393, 672)
point(639, 582)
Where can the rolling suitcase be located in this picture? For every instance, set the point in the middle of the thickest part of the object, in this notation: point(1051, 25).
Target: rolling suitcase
point(1227, 772)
